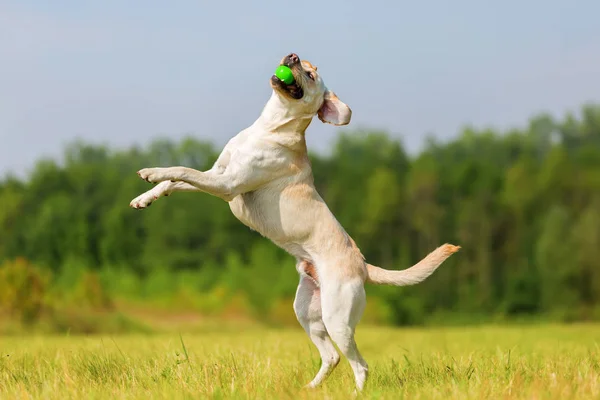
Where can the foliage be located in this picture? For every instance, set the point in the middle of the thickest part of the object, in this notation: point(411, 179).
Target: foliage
point(22, 290)
point(523, 205)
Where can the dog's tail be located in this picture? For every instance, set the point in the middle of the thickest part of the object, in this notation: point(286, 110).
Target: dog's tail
point(415, 274)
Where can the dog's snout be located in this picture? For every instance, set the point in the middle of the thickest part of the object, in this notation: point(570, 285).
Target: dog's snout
point(291, 59)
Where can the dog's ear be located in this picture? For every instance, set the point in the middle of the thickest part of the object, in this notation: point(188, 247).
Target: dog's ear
point(334, 111)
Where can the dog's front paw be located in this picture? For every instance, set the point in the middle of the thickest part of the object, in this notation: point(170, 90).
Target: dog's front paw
point(143, 200)
point(152, 175)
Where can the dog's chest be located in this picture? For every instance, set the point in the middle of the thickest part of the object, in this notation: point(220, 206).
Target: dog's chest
point(253, 211)
point(261, 212)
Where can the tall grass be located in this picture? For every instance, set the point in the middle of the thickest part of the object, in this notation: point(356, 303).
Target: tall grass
point(528, 362)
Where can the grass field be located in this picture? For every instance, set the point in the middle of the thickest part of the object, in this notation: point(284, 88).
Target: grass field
point(525, 362)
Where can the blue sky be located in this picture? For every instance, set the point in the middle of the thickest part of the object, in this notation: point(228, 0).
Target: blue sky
point(124, 72)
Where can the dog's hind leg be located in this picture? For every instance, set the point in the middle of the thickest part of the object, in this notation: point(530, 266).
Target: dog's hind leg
point(342, 305)
point(307, 306)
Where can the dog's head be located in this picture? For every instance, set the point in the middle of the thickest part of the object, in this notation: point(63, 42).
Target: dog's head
point(308, 95)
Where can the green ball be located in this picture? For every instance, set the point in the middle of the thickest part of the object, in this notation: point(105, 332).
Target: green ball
point(284, 74)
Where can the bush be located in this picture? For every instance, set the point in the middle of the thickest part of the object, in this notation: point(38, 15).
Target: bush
point(23, 290)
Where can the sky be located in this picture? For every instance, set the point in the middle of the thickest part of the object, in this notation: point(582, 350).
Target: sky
point(126, 72)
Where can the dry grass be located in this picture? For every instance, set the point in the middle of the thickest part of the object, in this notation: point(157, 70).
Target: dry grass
point(532, 362)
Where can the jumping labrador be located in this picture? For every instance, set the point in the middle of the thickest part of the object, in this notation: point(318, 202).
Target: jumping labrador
point(265, 175)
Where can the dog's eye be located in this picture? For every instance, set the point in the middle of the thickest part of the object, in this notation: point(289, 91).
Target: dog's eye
point(310, 75)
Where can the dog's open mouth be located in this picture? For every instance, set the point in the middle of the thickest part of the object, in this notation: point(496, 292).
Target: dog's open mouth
point(294, 89)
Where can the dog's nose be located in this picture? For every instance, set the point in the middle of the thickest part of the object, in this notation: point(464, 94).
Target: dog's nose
point(291, 59)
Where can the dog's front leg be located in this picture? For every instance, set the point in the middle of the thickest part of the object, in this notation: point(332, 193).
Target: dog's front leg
point(219, 185)
point(164, 188)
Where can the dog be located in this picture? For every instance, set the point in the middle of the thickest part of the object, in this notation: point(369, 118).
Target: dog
point(265, 175)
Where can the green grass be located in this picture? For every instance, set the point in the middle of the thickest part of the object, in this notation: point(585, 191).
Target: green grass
point(518, 362)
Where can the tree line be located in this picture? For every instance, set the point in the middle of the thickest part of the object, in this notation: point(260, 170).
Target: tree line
point(523, 204)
